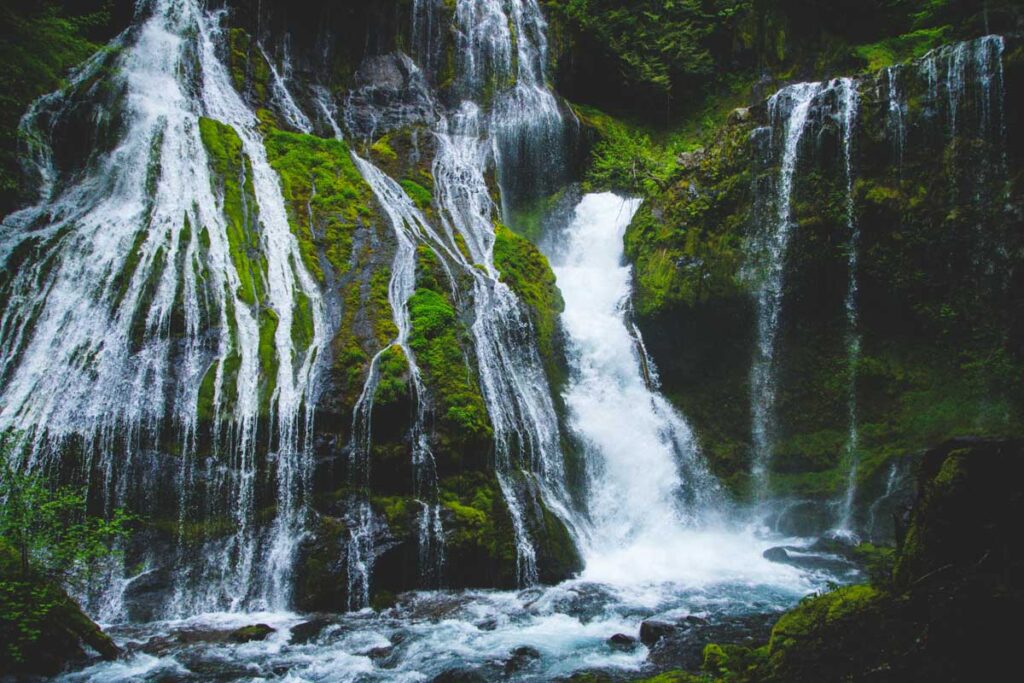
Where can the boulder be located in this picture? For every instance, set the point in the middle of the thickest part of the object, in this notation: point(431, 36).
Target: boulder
point(248, 634)
point(652, 630)
point(308, 631)
point(620, 641)
point(459, 676)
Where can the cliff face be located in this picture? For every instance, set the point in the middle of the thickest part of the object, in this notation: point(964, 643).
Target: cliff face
point(868, 287)
point(388, 462)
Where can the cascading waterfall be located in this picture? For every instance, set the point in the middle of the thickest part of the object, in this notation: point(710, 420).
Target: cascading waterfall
point(282, 96)
point(503, 47)
point(142, 298)
point(648, 484)
point(848, 118)
point(513, 382)
point(512, 377)
point(788, 113)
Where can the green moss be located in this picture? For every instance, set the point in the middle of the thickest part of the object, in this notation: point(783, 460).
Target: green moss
point(380, 307)
point(392, 385)
point(268, 356)
point(400, 513)
point(437, 339)
point(382, 149)
point(325, 196)
point(249, 70)
point(232, 178)
point(480, 525)
point(902, 48)
point(527, 272)
point(420, 195)
point(806, 621)
point(302, 322)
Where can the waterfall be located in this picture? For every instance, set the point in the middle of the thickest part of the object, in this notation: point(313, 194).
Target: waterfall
point(515, 388)
point(848, 119)
point(788, 112)
point(133, 304)
point(647, 480)
point(501, 48)
point(282, 96)
point(409, 228)
point(897, 114)
point(793, 111)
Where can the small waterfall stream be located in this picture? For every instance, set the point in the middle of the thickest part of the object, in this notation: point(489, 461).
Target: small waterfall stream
point(788, 113)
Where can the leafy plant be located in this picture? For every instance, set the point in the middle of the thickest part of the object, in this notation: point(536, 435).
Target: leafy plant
point(51, 532)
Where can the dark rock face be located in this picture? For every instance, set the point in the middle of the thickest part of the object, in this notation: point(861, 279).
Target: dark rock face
point(390, 93)
point(145, 595)
point(309, 631)
point(958, 585)
point(970, 513)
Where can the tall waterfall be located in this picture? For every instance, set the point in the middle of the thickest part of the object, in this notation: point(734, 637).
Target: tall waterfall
point(647, 480)
point(788, 112)
point(134, 303)
point(848, 114)
point(523, 118)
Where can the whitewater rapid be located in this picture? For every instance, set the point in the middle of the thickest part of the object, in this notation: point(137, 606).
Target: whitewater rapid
point(657, 516)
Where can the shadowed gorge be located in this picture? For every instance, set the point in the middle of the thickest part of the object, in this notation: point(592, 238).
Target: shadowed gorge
point(458, 340)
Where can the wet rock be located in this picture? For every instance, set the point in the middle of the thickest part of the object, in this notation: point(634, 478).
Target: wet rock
point(487, 625)
point(521, 658)
point(380, 652)
point(320, 574)
point(391, 93)
point(308, 630)
point(809, 559)
point(248, 634)
point(683, 648)
point(620, 641)
point(652, 630)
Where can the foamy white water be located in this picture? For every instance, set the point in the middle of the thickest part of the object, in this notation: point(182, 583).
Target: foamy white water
point(653, 505)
